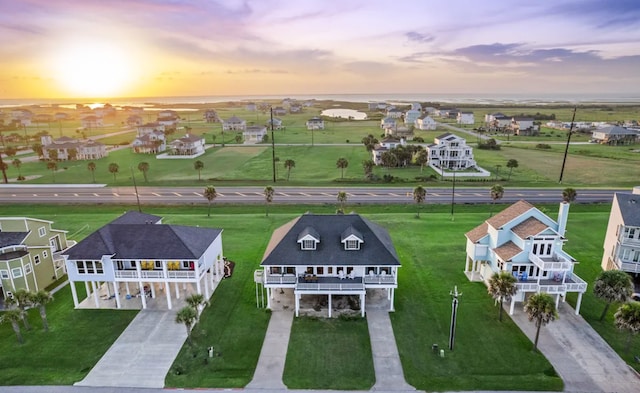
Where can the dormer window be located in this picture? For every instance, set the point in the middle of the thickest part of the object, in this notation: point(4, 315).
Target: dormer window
point(351, 239)
point(308, 239)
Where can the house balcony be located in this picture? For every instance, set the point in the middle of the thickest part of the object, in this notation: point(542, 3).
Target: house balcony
point(330, 284)
point(625, 241)
point(554, 262)
point(155, 275)
point(628, 266)
point(572, 283)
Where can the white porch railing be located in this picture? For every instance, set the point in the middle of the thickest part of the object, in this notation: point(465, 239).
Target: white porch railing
point(280, 279)
point(314, 286)
point(578, 284)
point(559, 265)
point(527, 286)
point(553, 288)
point(156, 274)
point(380, 280)
point(631, 267)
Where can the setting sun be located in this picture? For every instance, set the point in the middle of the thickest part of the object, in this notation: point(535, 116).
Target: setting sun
point(93, 69)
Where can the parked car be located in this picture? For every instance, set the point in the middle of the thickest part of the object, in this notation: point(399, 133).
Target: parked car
point(636, 297)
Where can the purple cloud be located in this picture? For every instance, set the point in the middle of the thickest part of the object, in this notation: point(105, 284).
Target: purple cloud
point(418, 37)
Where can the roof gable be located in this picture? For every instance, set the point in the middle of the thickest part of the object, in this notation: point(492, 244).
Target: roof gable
point(629, 205)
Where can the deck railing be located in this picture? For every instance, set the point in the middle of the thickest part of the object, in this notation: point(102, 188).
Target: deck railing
point(316, 286)
point(558, 265)
point(156, 274)
point(631, 267)
point(280, 279)
point(380, 280)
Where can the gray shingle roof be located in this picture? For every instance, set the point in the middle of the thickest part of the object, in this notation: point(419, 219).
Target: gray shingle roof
point(134, 217)
point(12, 238)
point(629, 205)
point(152, 241)
point(377, 248)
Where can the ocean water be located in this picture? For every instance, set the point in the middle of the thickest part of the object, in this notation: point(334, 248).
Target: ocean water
point(472, 98)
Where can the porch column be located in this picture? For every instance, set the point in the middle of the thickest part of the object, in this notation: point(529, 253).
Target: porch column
point(297, 297)
point(391, 303)
point(362, 303)
point(557, 301)
point(329, 305)
point(106, 284)
point(206, 285)
point(153, 290)
point(143, 296)
point(126, 285)
point(578, 303)
point(466, 265)
point(177, 287)
point(198, 288)
point(269, 298)
point(95, 294)
point(86, 287)
point(117, 293)
point(168, 294)
point(513, 303)
point(74, 294)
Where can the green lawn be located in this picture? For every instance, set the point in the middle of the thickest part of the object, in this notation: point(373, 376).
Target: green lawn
point(488, 354)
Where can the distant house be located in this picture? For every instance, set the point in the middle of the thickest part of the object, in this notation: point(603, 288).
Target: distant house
point(525, 242)
point(405, 133)
point(329, 255)
point(315, 123)
point(188, 145)
point(394, 113)
point(615, 135)
point(251, 106)
point(377, 106)
point(450, 152)
point(465, 118)
point(388, 122)
point(254, 134)
point(62, 116)
point(411, 116)
point(72, 149)
point(448, 113)
point(211, 116)
point(91, 121)
point(383, 146)
point(416, 106)
point(279, 111)
point(135, 120)
point(30, 254)
point(148, 128)
point(425, 123)
point(234, 123)
point(277, 123)
point(137, 256)
point(295, 108)
point(42, 118)
point(149, 142)
point(622, 240)
point(524, 126)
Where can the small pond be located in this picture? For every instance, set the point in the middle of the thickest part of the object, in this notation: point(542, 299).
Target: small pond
point(344, 113)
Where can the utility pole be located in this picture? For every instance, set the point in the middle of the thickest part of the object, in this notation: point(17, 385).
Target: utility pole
point(566, 149)
point(135, 186)
point(453, 194)
point(273, 148)
point(454, 314)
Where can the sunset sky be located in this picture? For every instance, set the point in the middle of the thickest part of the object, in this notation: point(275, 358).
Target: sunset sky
point(138, 48)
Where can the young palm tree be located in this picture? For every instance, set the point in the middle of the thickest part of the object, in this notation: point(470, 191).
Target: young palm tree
point(22, 300)
point(188, 316)
point(198, 166)
point(422, 158)
point(512, 163)
point(342, 163)
point(13, 317)
point(502, 286)
point(268, 198)
point(612, 286)
point(288, 164)
point(419, 195)
point(628, 318)
point(542, 309)
point(114, 168)
point(17, 164)
point(569, 195)
point(211, 194)
point(92, 168)
point(40, 299)
point(53, 167)
point(367, 166)
point(342, 198)
point(195, 301)
point(144, 168)
point(496, 192)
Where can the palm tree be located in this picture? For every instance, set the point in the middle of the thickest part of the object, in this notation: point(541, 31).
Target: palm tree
point(512, 163)
point(342, 163)
point(13, 317)
point(22, 300)
point(422, 158)
point(612, 286)
point(569, 195)
point(188, 316)
point(211, 194)
point(92, 168)
point(72, 153)
point(198, 166)
point(367, 166)
point(496, 192)
point(53, 154)
point(268, 197)
point(342, 198)
point(502, 286)
point(144, 168)
point(53, 167)
point(628, 318)
point(195, 301)
point(288, 164)
point(114, 168)
point(3, 169)
point(419, 195)
point(541, 308)
point(17, 164)
point(40, 299)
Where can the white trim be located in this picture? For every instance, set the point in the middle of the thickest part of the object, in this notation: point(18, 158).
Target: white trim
point(13, 274)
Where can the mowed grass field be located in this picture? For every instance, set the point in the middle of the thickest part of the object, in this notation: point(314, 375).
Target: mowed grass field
point(488, 354)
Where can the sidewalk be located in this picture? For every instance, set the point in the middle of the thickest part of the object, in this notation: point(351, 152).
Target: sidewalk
point(584, 361)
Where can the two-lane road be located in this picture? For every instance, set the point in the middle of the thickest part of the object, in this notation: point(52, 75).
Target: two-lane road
point(87, 194)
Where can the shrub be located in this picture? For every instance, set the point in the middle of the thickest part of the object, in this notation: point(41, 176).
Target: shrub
point(543, 146)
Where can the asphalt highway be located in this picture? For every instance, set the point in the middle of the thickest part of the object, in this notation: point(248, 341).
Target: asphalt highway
point(98, 194)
